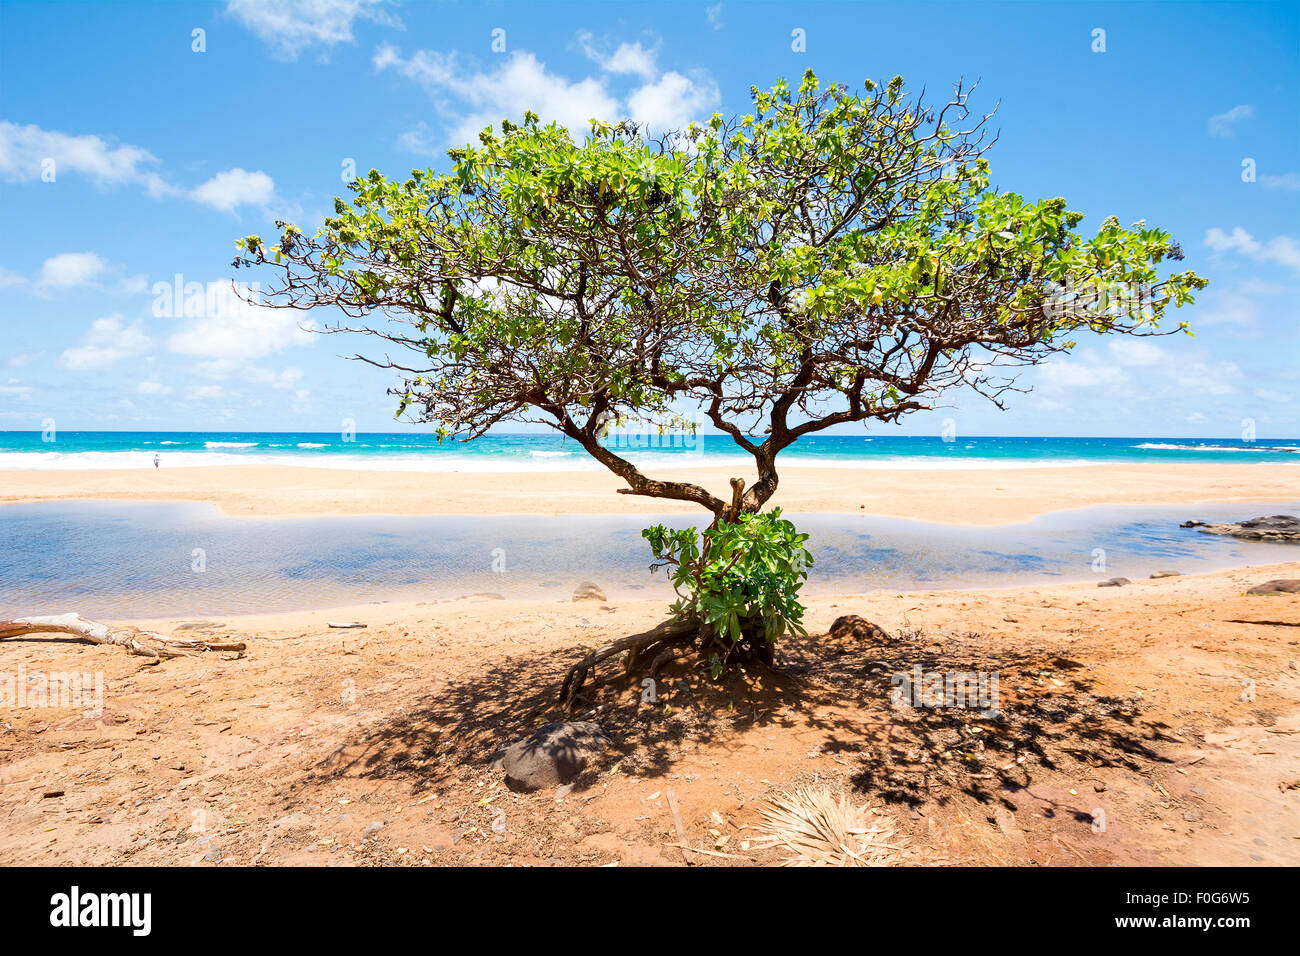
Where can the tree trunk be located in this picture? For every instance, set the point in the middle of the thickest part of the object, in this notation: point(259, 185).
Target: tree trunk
point(135, 641)
point(666, 635)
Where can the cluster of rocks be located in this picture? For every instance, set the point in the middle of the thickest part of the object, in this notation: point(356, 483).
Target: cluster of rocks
point(1120, 582)
point(1266, 528)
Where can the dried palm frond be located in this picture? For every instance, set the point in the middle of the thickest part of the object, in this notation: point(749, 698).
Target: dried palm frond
point(822, 829)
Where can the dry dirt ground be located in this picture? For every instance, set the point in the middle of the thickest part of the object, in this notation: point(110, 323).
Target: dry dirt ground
point(1157, 723)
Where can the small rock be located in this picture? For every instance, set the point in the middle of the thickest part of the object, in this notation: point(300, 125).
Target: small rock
point(1166, 574)
point(858, 628)
point(1114, 583)
point(588, 591)
point(211, 856)
point(373, 827)
point(1192, 816)
point(1277, 586)
point(553, 754)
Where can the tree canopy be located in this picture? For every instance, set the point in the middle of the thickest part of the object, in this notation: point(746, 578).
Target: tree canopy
point(829, 257)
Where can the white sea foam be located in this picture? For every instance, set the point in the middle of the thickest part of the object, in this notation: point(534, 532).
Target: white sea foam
point(230, 444)
point(1164, 446)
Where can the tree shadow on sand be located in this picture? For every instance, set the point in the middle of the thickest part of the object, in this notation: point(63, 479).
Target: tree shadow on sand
point(839, 690)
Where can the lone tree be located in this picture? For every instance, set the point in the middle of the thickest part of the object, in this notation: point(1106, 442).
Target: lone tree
point(829, 258)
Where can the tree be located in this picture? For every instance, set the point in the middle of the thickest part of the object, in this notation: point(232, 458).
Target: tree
point(829, 258)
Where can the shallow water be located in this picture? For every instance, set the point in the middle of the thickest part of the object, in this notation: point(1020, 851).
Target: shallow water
point(125, 560)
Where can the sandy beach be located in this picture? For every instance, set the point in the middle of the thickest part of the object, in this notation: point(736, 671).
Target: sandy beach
point(1152, 724)
point(953, 496)
point(1149, 724)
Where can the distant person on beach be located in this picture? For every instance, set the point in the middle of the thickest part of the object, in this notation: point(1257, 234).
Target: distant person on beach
point(155, 461)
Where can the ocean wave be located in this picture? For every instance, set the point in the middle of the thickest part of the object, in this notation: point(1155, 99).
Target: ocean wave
point(230, 444)
point(1165, 446)
point(310, 444)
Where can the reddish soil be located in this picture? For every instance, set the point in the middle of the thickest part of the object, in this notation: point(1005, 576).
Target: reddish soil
point(1150, 724)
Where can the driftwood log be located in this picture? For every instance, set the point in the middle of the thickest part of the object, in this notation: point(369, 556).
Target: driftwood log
point(135, 641)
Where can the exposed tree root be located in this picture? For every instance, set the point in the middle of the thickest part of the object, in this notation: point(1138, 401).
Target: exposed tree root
point(665, 636)
point(135, 641)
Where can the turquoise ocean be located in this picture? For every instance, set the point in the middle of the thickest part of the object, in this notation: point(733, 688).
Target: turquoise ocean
point(414, 451)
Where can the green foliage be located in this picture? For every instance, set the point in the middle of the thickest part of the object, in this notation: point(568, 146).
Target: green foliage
point(741, 580)
point(833, 256)
point(847, 247)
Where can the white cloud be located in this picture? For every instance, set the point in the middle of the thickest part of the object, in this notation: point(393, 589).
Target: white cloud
point(628, 58)
point(1280, 250)
point(672, 101)
point(29, 153)
point(1206, 377)
point(1222, 124)
point(17, 389)
point(1084, 370)
point(522, 82)
point(235, 187)
point(1136, 352)
point(69, 269)
point(291, 26)
point(133, 284)
point(1227, 307)
point(714, 16)
point(1272, 395)
point(283, 380)
point(232, 332)
point(153, 388)
point(418, 140)
point(107, 342)
point(1289, 182)
point(1196, 418)
point(204, 392)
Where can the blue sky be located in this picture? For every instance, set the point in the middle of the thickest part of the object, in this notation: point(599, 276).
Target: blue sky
point(128, 158)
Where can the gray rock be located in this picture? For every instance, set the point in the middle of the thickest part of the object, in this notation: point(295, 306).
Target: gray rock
point(1277, 586)
point(1166, 574)
point(373, 827)
point(858, 628)
point(1285, 528)
point(211, 856)
point(1114, 583)
point(588, 591)
point(553, 754)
